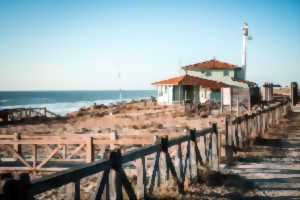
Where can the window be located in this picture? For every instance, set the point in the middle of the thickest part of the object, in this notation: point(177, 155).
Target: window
point(226, 73)
point(208, 74)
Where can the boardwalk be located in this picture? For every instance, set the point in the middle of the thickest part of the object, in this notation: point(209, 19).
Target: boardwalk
point(273, 162)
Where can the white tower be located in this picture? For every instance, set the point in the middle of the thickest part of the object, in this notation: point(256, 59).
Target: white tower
point(245, 37)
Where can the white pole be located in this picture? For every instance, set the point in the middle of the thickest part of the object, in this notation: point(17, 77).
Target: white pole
point(245, 35)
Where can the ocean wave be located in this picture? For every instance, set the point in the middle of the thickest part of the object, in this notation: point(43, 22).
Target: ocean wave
point(68, 107)
point(4, 100)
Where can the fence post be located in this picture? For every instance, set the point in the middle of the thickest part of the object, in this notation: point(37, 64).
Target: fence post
point(215, 150)
point(228, 135)
point(164, 172)
point(89, 156)
point(193, 157)
point(115, 185)
point(17, 147)
point(73, 190)
point(178, 162)
point(141, 178)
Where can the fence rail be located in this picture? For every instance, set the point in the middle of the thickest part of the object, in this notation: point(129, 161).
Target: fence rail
point(17, 114)
point(193, 149)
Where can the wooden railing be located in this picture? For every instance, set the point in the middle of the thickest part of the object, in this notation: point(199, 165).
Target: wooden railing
point(17, 114)
point(192, 150)
point(42, 152)
point(294, 93)
point(241, 130)
point(201, 148)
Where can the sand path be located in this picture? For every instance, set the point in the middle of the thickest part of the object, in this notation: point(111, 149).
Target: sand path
point(273, 163)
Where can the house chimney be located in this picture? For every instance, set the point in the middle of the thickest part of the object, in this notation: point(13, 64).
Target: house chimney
point(245, 36)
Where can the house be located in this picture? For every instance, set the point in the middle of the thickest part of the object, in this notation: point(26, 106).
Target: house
point(201, 82)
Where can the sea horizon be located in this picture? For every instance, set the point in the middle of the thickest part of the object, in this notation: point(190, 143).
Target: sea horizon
point(66, 101)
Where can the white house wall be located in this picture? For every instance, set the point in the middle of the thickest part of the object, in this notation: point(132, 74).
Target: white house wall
point(218, 75)
point(165, 94)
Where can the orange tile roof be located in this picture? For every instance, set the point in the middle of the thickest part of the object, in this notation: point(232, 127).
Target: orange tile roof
point(191, 80)
point(212, 64)
point(244, 81)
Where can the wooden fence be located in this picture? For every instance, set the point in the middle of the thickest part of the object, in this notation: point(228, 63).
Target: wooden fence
point(191, 150)
point(294, 93)
point(17, 114)
point(201, 148)
point(241, 130)
point(42, 152)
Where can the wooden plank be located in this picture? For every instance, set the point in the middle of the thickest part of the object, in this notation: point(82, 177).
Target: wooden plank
point(18, 156)
point(76, 150)
point(154, 177)
point(202, 146)
point(193, 168)
point(101, 185)
point(141, 178)
point(215, 150)
point(89, 150)
point(17, 147)
point(49, 157)
point(170, 165)
point(73, 190)
point(34, 155)
point(127, 185)
point(178, 162)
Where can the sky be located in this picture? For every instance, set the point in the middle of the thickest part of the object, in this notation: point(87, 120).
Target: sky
point(84, 45)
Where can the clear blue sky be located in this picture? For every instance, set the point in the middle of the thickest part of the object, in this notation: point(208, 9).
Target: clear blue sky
point(61, 45)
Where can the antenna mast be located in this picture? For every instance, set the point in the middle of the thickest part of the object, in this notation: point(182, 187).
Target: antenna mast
point(119, 76)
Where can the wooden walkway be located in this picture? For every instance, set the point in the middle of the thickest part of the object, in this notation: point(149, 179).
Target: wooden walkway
point(273, 162)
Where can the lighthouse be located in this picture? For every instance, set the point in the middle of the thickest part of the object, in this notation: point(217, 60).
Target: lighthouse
point(245, 37)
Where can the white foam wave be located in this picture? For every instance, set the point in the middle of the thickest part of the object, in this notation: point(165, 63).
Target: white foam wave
point(67, 107)
point(4, 100)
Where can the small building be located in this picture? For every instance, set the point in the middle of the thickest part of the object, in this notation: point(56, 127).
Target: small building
point(216, 70)
point(203, 81)
point(178, 89)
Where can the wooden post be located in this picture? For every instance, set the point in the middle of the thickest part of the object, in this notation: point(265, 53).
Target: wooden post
point(141, 178)
point(115, 185)
point(73, 190)
point(65, 151)
point(193, 169)
point(228, 135)
point(17, 147)
point(89, 156)
point(238, 105)
point(178, 162)
point(34, 155)
point(221, 100)
point(113, 137)
point(215, 150)
point(203, 151)
point(163, 169)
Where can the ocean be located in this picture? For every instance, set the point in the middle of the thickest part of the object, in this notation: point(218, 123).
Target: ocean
point(63, 102)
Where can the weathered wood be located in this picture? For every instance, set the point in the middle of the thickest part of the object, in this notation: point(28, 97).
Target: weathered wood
point(215, 150)
point(89, 151)
point(178, 162)
point(76, 150)
point(18, 156)
point(34, 155)
point(202, 147)
point(17, 147)
point(141, 191)
point(193, 169)
point(49, 157)
point(101, 185)
point(163, 168)
point(73, 190)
